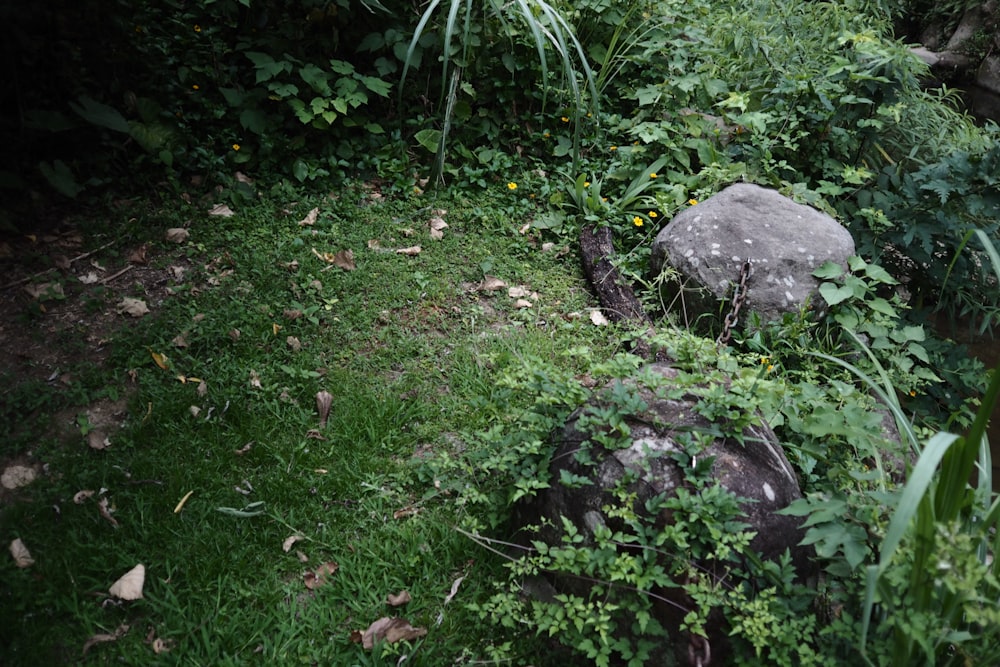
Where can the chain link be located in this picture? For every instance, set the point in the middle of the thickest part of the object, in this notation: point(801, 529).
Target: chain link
point(699, 651)
point(739, 296)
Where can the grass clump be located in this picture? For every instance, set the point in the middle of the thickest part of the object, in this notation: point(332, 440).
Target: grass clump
point(221, 381)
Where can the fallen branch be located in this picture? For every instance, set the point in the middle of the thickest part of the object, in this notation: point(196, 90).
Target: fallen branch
point(618, 299)
point(28, 279)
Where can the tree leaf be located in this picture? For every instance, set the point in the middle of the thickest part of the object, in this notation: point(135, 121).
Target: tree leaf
point(22, 557)
point(310, 218)
point(391, 630)
point(177, 235)
point(834, 294)
point(133, 307)
point(399, 599)
point(129, 586)
point(429, 139)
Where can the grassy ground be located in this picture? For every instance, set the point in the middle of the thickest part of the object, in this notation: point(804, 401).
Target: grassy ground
point(249, 320)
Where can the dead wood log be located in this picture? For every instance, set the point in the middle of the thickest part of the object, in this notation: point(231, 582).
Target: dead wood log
point(617, 298)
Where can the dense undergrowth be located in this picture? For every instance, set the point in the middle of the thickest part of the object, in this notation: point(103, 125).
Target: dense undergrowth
point(538, 118)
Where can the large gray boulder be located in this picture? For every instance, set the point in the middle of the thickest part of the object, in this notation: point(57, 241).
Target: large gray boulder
point(654, 462)
point(784, 241)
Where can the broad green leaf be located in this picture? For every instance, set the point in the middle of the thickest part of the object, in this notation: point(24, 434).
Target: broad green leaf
point(834, 294)
point(828, 271)
point(317, 79)
point(61, 178)
point(254, 120)
point(377, 86)
point(100, 114)
point(429, 139)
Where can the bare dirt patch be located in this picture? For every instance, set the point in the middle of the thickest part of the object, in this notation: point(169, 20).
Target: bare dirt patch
point(61, 302)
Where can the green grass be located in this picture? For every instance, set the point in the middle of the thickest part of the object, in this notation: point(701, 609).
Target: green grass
point(408, 352)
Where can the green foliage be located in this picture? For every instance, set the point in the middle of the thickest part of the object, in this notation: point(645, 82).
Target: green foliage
point(547, 29)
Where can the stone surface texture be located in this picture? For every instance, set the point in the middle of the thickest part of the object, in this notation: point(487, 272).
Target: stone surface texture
point(755, 469)
point(707, 244)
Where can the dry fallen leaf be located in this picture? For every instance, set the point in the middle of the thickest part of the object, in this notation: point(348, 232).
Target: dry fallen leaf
point(105, 511)
point(180, 505)
point(399, 599)
point(548, 246)
point(22, 557)
point(160, 360)
point(454, 589)
point(523, 303)
point(180, 340)
point(161, 645)
point(202, 389)
point(255, 380)
point(177, 235)
point(89, 279)
point(194, 410)
point(221, 210)
point(314, 580)
point(301, 556)
point(324, 401)
point(286, 546)
point(129, 586)
point(104, 637)
point(14, 477)
point(597, 317)
point(409, 510)
point(344, 259)
point(137, 256)
point(391, 630)
point(45, 291)
point(81, 496)
point(412, 250)
point(294, 343)
point(437, 226)
point(491, 284)
point(133, 307)
point(244, 449)
point(96, 439)
point(310, 218)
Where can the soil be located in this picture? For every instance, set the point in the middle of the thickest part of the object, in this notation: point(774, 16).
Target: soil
point(61, 301)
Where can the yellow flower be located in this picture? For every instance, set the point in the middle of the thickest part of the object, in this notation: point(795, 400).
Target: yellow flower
point(613, 148)
point(637, 221)
point(236, 147)
point(586, 184)
point(194, 87)
point(565, 119)
point(512, 186)
point(604, 199)
point(652, 175)
point(913, 393)
point(653, 214)
point(197, 28)
point(764, 360)
point(693, 202)
point(546, 135)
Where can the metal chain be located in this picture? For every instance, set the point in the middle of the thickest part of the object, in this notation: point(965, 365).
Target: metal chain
point(739, 296)
point(699, 651)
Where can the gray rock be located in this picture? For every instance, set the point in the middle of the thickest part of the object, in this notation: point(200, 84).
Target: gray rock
point(755, 469)
point(785, 242)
